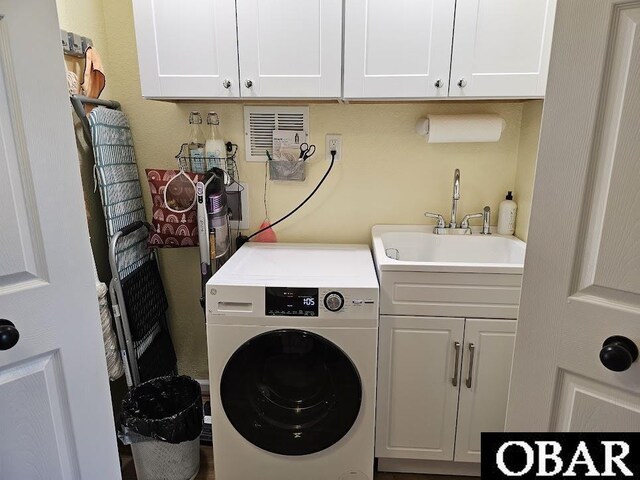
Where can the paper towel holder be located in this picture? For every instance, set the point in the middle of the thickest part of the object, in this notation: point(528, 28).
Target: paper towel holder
point(472, 126)
point(422, 126)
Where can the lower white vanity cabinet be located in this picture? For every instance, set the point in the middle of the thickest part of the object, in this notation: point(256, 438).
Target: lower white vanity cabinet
point(484, 387)
point(448, 310)
point(417, 403)
point(441, 382)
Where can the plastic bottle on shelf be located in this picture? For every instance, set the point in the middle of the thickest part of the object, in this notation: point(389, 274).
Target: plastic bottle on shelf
point(507, 215)
point(196, 137)
point(215, 149)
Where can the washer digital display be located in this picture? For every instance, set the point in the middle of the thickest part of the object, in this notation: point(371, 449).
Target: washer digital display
point(285, 301)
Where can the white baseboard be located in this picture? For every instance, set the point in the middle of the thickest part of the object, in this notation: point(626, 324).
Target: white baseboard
point(433, 467)
point(204, 385)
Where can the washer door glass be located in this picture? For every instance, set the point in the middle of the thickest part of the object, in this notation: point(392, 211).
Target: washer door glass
point(291, 392)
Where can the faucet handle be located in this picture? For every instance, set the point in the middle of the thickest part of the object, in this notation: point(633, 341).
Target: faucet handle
point(466, 218)
point(437, 216)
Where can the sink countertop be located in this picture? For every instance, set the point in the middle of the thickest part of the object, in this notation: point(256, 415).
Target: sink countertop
point(420, 250)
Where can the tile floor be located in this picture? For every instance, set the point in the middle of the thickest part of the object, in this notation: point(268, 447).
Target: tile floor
point(206, 469)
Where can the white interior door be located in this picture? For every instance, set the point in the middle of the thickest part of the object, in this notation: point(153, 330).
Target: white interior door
point(417, 393)
point(501, 48)
point(399, 49)
point(290, 48)
point(187, 49)
point(582, 271)
point(56, 420)
point(486, 369)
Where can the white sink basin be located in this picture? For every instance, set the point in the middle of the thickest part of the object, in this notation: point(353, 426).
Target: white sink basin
point(417, 248)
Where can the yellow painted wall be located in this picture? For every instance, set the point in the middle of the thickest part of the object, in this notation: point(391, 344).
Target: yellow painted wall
point(86, 17)
point(526, 171)
point(388, 174)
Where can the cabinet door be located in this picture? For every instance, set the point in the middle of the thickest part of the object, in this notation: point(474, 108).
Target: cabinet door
point(398, 49)
point(290, 48)
point(187, 49)
point(501, 48)
point(417, 399)
point(486, 372)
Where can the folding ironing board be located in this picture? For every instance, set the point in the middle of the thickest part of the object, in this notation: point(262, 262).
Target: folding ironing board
point(137, 294)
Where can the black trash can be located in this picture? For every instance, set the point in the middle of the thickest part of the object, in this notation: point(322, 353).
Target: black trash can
point(162, 420)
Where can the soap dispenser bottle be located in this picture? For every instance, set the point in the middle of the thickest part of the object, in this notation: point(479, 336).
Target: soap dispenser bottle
point(507, 215)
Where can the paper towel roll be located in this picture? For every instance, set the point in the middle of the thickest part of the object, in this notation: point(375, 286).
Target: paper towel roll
point(461, 128)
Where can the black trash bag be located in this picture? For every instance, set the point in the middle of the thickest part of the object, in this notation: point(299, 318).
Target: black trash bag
point(168, 409)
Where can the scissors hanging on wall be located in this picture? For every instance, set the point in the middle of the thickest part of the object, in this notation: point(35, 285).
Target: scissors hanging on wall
point(306, 151)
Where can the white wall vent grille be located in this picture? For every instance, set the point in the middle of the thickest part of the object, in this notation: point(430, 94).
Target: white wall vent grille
point(260, 122)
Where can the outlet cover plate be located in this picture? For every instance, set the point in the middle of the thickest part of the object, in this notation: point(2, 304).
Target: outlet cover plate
point(333, 141)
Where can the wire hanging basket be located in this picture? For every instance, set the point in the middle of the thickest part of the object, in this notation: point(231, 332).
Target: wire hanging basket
point(198, 164)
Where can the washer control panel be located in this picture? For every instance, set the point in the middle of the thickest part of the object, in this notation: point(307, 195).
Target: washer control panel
point(348, 302)
point(309, 302)
point(334, 301)
point(297, 302)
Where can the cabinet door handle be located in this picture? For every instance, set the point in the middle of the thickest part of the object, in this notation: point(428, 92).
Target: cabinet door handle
point(472, 349)
point(456, 349)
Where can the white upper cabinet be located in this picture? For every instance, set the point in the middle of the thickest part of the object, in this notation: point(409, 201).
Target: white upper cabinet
point(399, 49)
point(187, 49)
point(501, 48)
point(290, 48)
point(402, 49)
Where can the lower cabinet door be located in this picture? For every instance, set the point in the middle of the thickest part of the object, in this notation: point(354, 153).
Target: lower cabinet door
point(486, 372)
point(418, 385)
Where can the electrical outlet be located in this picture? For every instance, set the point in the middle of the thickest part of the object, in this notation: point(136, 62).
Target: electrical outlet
point(334, 142)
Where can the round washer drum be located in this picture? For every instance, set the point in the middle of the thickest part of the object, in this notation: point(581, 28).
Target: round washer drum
point(291, 392)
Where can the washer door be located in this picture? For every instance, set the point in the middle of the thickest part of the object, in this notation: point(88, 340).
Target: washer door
point(291, 392)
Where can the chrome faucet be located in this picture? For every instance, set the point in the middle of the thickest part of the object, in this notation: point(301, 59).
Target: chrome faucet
point(464, 228)
point(456, 197)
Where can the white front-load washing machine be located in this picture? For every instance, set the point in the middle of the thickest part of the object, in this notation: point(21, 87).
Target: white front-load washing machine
point(292, 334)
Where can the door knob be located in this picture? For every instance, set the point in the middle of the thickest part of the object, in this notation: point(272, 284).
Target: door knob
point(618, 353)
point(462, 83)
point(438, 83)
point(248, 83)
point(226, 83)
point(9, 334)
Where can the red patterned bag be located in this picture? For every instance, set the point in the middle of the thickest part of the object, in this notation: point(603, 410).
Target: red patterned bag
point(176, 224)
